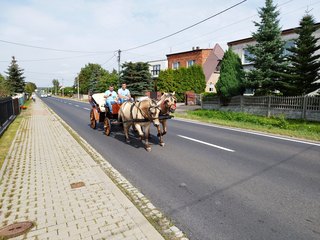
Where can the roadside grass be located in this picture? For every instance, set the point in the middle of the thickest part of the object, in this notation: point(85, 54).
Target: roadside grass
point(276, 125)
point(8, 136)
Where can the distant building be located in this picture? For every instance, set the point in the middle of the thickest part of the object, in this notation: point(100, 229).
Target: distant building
point(156, 66)
point(288, 35)
point(208, 58)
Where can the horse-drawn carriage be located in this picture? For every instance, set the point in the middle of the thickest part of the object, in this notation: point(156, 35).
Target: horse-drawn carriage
point(139, 114)
point(100, 113)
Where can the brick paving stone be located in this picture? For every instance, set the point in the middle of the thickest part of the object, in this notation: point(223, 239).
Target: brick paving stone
point(43, 162)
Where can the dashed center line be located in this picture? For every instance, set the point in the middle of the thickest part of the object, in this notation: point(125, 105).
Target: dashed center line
point(87, 109)
point(209, 144)
point(77, 105)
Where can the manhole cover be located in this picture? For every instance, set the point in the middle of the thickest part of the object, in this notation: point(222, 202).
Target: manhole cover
point(77, 184)
point(15, 229)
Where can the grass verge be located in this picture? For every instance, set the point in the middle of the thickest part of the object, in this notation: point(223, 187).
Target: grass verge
point(276, 125)
point(8, 136)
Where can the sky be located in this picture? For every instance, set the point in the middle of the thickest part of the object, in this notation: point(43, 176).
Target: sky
point(55, 39)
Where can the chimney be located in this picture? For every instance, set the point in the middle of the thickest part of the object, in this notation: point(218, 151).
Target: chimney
point(192, 48)
point(197, 47)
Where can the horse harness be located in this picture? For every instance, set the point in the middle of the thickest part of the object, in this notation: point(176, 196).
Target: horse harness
point(146, 117)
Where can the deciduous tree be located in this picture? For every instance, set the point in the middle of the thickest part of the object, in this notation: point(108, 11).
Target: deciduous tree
point(30, 87)
point(4, 88)
point(231, 77)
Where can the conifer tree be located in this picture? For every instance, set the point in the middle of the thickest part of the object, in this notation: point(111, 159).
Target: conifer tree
point(305, 63)
point(15, 77)
point(137, 77)
point(231, 76)
point(267, 54)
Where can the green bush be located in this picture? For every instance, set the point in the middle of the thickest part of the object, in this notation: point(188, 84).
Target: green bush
point(208, 96)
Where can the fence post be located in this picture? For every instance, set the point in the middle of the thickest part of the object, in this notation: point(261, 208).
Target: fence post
point(304, 107)
point(241, 103)
point(201, 100)
point(269, 106)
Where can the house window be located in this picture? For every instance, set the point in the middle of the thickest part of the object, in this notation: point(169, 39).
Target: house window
point(190, 63)
point(246, 56)
point(288, 44)
point(211, 87)
point(175, 65)
point(155, 70)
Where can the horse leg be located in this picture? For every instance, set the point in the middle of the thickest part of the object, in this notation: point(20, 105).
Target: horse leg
point(140, 132)
point(126, 130)
point(160, 136)
point(164, 127)
point(147, 133)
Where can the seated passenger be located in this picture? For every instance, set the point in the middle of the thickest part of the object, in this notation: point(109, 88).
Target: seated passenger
point(124, 93)
point(111, 96)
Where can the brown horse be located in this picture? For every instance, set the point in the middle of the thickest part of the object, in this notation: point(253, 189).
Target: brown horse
point(140, 114)
point(167, 105)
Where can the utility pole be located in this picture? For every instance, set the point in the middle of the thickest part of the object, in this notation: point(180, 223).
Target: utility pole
point(78, 88)
point(119, 57)
point(62, 88)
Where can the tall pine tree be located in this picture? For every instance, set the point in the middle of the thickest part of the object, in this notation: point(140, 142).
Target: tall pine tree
point(137, 77)
point(267, 54)
point(305, 63)
point(231, 76)
point(15, 77)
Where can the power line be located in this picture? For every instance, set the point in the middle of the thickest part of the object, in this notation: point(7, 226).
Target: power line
point(53, 59)
point(52, 49)
point(184, 29)
point(114, 54)
point(229, 25)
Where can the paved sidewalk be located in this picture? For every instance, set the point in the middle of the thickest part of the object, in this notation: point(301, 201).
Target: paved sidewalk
point(43, 163)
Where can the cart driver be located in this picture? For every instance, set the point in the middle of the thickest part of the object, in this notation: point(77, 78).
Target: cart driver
point(111, 96)
point(124, 93)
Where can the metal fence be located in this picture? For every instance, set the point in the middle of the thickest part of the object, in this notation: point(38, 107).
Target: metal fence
point(300, 107)
point(9, 109)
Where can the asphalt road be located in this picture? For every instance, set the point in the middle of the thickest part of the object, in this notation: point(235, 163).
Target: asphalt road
point(215, 182)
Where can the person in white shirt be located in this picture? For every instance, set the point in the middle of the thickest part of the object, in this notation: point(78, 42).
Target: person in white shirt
point(111, 96)
point(124, 93)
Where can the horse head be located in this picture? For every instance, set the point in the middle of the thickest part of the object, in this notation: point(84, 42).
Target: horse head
point(169, 102)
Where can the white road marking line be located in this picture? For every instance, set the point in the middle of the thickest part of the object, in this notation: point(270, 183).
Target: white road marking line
point(87, 109)
point(77, 105)
point(70, 103)
point(209, 144)
point(249, 132)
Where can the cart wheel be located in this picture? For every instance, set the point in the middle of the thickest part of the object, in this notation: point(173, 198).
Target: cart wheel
point(93, 123)
point(107, 126)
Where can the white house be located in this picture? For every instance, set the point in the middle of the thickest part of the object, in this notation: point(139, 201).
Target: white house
point(239, 46)
point(156, 66)
point(288, 35)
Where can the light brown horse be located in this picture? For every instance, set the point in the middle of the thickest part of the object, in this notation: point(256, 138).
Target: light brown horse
point(167, 105)
point(140, 114)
